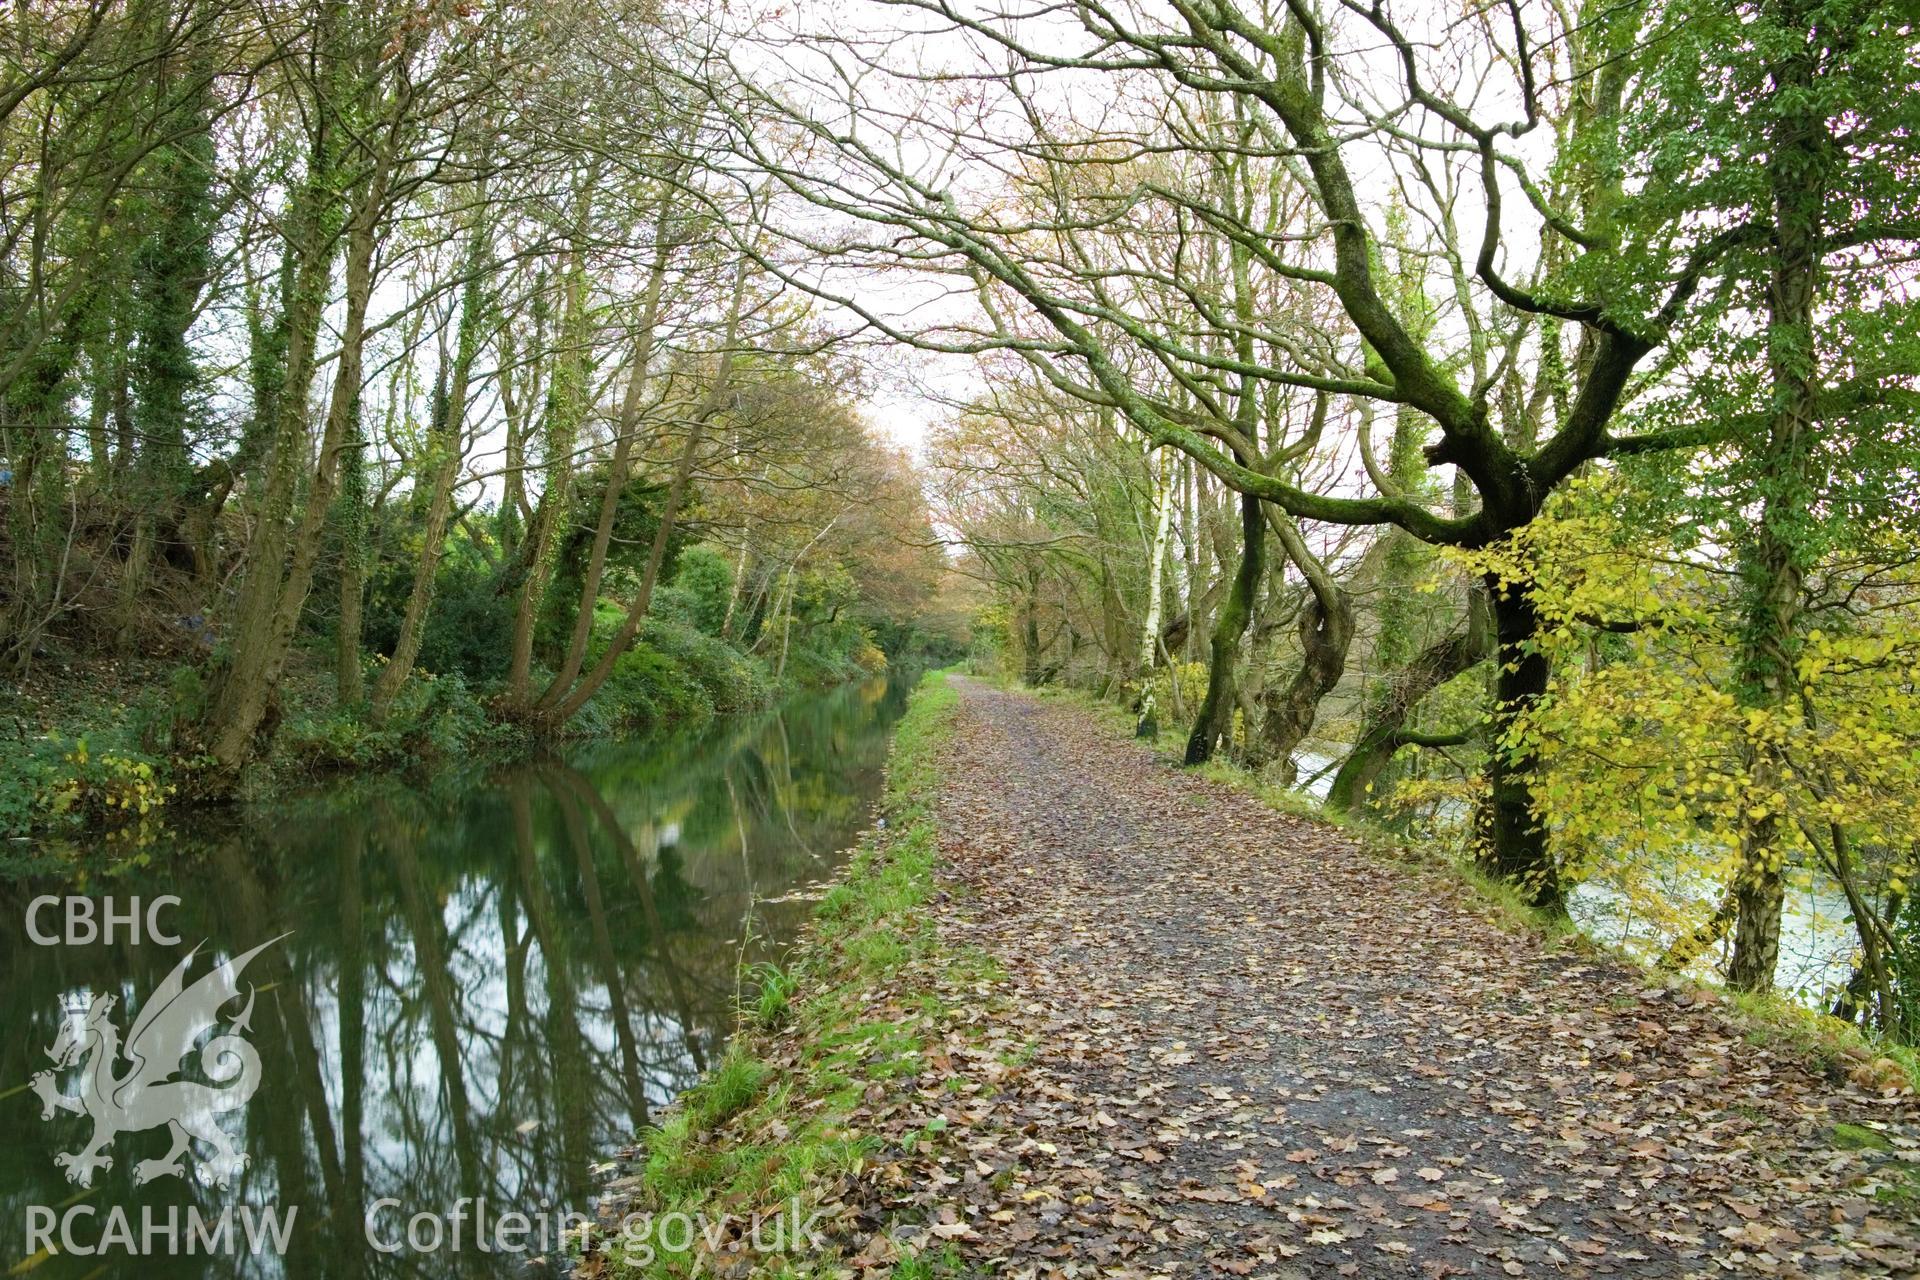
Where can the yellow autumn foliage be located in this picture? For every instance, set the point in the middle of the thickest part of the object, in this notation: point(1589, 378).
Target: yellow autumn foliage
point(1645, 746)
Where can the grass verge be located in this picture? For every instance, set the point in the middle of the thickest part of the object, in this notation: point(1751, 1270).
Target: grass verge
point(782, 1125)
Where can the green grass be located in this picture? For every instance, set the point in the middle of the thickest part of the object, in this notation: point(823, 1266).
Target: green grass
point(776, 1120)
point(773, 994)
point(934, 1266)
point(1839, 1050)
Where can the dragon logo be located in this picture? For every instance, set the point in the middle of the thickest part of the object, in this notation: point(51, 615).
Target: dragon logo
point(128, 1088)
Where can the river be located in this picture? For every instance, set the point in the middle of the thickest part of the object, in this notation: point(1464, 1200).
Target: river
point(480, 990)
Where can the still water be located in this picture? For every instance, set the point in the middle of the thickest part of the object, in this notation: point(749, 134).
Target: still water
point(484, 988)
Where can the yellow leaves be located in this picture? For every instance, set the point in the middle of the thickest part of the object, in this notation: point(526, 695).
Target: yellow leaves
point(112, 788)
point(1654, 763)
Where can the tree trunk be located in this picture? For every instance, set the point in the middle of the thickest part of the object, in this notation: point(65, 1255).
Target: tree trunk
point(445, 451)
point(738, 585)
point(1030, 629)
point(34, 438)
point(279, 579)
point(560, 702)
point(1215, 717)
point(1148, 723)
point(279, 558)
point(1513, 844)
point(1775, 564)
point(565, 409)
point(785, 612)
point(1383, 732)
point(1326, 632)
point(590, 684)
point(353, 524)
point(171, 265)
point(444, 469)
point(619, 468)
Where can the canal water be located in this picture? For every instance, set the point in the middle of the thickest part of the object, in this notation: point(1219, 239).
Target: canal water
point(472, 991)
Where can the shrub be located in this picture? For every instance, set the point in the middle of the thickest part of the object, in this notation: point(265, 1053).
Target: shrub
point(674, 672)
point(647, 688)
point(435, 717)
point(463, 631)
point(52, 784)
point(829, 653)
point(703, 582)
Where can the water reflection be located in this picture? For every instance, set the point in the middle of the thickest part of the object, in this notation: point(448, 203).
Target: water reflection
point(487, 985)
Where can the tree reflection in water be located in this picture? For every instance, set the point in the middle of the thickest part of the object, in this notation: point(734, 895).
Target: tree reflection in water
point(490, 981)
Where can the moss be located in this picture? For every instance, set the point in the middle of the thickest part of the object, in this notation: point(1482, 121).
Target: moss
point(1840, 1050)
point(1857, 1137)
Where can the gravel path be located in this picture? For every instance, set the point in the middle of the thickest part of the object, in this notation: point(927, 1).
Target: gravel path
point(1258, 1050)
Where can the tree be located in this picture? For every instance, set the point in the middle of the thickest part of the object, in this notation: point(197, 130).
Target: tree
point(1288, 77)
point(1790, 126)
point(374, 100)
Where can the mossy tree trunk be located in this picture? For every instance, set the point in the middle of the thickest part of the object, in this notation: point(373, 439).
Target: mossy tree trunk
point(170, 269)
point(560, 418)
point(1215, 717)
point(1774, 565)
point(1326, 632)
point(627, 432)
point(285, 541)
point(439, 470)
point(1400, 692)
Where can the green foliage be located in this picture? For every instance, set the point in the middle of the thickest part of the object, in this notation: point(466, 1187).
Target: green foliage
point(1648, 746)
point(1905, 961)
point(54, 785)
point(699, 590)
point(673, 673)
point(946, 1261)
point(913, 646)
point(463, 633)
point(821, 640)
point(434, 718)
point(635, 524)
point(22, 785)
point(823, 655)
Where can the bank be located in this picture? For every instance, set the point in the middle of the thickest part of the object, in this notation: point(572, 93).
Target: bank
point(94, 772)
point(849, 1059)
